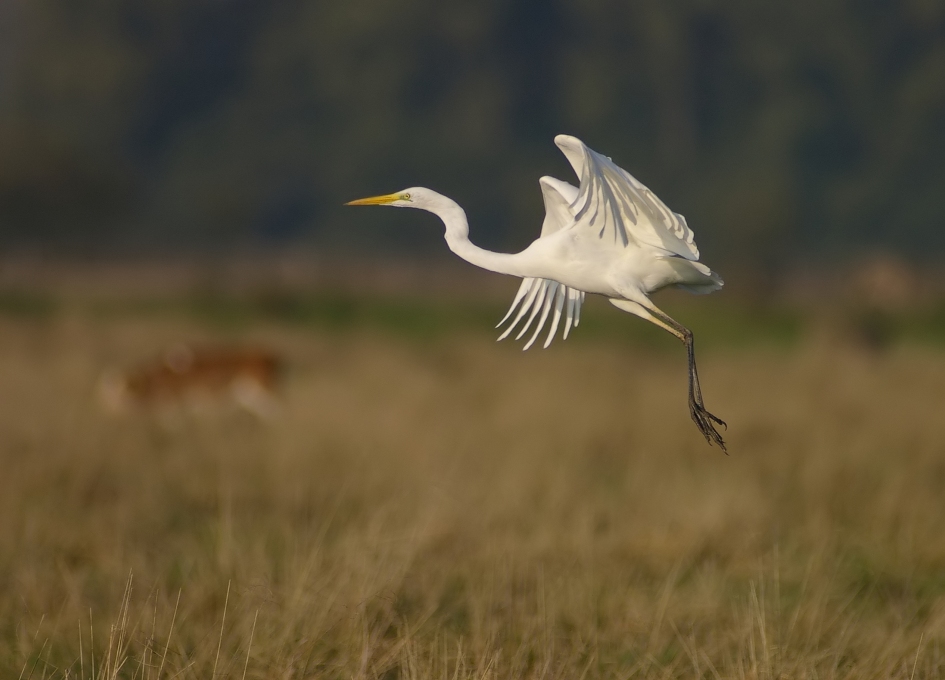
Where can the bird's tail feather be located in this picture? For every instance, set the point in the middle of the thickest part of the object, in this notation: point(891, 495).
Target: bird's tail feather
point(695, 277)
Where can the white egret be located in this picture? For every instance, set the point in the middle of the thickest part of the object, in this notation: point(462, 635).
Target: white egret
point(611, 236)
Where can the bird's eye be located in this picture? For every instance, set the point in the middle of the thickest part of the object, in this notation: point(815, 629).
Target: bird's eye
point(406, 197)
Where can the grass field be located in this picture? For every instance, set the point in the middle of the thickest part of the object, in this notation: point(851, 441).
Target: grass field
point(433, 505)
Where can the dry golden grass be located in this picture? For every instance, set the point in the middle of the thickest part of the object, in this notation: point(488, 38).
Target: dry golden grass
point(452, 508)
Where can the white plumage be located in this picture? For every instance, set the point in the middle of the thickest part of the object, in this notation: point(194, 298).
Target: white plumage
point(611, 236)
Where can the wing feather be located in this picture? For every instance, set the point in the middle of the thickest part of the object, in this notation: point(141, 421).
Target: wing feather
point(552, 288)
point(558, 197)
point(535, 286)
point(569, 314)
point(559, 304)
point(536, 307)
point(522, 290)
point(613, 205)
point(537, 296)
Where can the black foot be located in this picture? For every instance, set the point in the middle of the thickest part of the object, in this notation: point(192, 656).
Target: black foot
point(703, 420)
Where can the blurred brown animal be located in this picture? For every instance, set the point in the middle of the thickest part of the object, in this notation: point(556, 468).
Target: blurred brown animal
point(197, 376)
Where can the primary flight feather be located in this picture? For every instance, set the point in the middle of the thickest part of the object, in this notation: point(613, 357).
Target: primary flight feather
point(611, 236)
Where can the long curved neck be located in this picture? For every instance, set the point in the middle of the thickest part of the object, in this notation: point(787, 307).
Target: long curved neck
point(457, 238)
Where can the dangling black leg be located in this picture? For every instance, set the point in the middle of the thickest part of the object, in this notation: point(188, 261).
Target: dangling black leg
point(700, 416)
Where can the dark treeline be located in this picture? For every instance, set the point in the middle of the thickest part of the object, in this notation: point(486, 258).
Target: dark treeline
point(783, 130)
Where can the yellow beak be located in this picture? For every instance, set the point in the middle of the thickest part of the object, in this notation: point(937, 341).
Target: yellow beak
point(375, 200)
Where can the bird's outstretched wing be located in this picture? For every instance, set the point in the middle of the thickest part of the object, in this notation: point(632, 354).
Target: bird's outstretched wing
point(612, 205)
point(558, 197)
point(540, 295)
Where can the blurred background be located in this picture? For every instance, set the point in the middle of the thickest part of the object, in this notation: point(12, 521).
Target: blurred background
point(786, 132)
point(229, 400)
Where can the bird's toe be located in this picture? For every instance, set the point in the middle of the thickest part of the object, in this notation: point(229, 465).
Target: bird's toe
point(703, 420)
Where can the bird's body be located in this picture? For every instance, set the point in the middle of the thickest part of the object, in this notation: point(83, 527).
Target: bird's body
point(596, 268)
point(611, 236)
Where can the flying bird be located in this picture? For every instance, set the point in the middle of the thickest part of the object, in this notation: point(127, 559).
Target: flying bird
point(611, 236)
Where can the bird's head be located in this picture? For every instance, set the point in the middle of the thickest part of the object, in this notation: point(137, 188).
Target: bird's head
point(414, 197)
